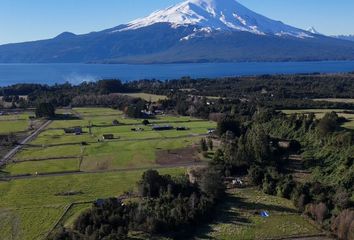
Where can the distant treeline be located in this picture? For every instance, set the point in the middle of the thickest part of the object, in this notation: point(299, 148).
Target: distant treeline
point(277, 86)
point(276, 91)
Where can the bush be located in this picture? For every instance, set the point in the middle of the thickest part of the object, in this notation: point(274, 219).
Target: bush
point(319, 211)
point(343, 225)
point(145, 122)
point(286, 187)
point(256, 175)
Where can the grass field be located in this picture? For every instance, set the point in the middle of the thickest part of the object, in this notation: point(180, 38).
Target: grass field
point(129, 149)
point(336, 100)
point(29, 208)
point(147, 96)
point(240, 218)
point(321, 112)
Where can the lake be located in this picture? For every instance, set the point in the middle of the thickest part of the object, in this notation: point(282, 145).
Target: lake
point(77, 73)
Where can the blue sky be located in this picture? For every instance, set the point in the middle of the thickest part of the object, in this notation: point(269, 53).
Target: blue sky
point(23, 20)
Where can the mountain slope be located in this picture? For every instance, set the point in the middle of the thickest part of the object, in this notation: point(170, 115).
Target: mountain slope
point(345, 37)
point(193, 31)
point(217, 15)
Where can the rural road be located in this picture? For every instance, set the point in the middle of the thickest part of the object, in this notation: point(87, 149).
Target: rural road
point(188, 164)
point(11, 153)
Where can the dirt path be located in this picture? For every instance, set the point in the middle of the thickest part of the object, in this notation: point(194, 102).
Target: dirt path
point(12, 152)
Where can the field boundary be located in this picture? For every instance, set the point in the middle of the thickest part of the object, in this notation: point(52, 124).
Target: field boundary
point(65, 173)
point(298, 236)
point(46, 159)
point(66, 210)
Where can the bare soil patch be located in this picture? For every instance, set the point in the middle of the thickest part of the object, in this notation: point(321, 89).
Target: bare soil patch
point(177, 156)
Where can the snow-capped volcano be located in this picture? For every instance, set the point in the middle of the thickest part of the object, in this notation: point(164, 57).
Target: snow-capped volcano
point(219, 15)
point(192, 31)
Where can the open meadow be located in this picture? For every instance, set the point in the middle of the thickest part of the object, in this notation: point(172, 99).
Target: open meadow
point(240, 218)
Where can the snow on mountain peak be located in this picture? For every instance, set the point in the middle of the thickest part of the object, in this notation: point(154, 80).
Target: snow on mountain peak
point(313, 30)
point(220, 15)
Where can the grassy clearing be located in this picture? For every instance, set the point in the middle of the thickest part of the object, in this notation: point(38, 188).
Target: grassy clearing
point(117, 155)
point(47, 166)
point(239, 218)
point(28, 153)
point(12, 126)
point(19, 116)
point(147, 96)
point(32, 207)
point(336, 100)
point(321, 112)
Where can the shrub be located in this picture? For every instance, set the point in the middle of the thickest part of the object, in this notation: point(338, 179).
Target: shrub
point(256, 174)
point(319, 211)
point(343, 225)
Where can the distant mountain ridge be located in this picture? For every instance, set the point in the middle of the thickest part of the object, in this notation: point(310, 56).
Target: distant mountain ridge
point(345, 37)
point(192, 31)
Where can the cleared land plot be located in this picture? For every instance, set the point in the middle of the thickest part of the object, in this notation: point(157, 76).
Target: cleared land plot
point(240, 218)
point(321, 112)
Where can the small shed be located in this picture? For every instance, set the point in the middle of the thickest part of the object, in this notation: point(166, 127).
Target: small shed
point(108, 136)
point(211, 130)
point(74, 130)
point(162, 128)
point(115, 122)
point(182, 128)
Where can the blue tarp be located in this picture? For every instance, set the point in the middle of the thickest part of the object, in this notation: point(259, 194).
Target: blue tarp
point(264, 214)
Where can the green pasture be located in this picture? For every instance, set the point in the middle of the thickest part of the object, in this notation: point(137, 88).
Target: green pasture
point(29, 208)
point(240, 218)
point(13, 126)
point(128, 149)
point(46, 166)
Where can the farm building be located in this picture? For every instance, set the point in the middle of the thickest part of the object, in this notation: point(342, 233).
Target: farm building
point(108, 136)
point(74, 130)
point(162, 128)
point(137, 129)
point(182, 128)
